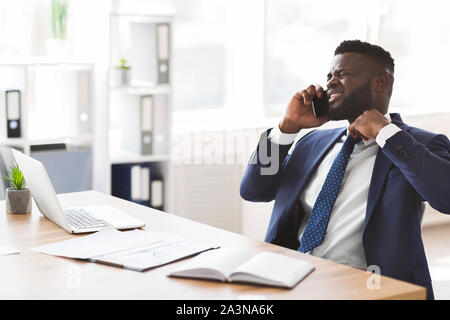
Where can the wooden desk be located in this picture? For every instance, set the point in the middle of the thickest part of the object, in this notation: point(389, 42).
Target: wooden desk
point(32, 275)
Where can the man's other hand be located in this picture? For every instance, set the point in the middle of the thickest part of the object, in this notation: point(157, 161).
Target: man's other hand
point(368, 124)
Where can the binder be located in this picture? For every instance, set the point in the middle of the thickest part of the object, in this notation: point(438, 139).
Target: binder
point(140, 180)
point(157, 193)
point(84, 101)
point(145, 185)
point(149, 52)
point(131, 182)
point(144, 182)
point(146, 124)
point(13, 103)
point(163, 40)
point(121, 181)
point(160, 124)
point(135, 181)
point(137, 131)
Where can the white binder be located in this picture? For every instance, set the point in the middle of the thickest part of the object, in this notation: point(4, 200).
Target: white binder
point(163, 40)
point(136, 192)
point(138, 124)
point(145, 184)
point(157, 198)
point(84, 101)
point(146, 124)
point(160, 124)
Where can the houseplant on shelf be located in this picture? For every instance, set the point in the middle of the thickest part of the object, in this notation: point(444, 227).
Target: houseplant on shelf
point(122, 74)
point(18, 197)
point(58, 45)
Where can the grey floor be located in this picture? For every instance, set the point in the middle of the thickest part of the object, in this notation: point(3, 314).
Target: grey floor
point(436, 240)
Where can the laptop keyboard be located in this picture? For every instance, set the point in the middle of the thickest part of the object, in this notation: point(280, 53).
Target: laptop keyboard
point(81, 219)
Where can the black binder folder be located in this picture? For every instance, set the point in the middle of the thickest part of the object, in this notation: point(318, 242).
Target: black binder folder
point(13, 113)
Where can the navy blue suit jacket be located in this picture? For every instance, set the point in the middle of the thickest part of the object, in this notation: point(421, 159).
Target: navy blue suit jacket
point(413, 167)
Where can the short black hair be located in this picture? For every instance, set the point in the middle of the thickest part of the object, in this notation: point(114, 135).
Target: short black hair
point(365, 48)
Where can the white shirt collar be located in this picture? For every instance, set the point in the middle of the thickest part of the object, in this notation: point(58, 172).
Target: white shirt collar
point(370, 141)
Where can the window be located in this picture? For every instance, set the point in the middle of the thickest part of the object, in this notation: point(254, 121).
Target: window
point(417, 34)
point(199, 40)
point(218, 63)
point(24, 25)
point(245, 59)
point(301, 37)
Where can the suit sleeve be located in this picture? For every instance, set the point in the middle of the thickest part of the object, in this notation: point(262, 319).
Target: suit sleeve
point(425, 167)
point(264, 170)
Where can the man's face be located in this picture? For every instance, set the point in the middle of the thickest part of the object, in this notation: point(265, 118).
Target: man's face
point(349, 86)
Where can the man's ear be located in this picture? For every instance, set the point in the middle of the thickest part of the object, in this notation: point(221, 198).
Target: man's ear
point(380, 82)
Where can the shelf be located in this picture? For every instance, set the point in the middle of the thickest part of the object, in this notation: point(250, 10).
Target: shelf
point(144, 41)
point(142, 18)
point(69, 140)
point(122, 156)
point(44, 60)
point(143, 90)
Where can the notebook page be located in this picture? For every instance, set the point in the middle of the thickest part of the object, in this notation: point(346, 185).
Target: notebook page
point(273, 269)
point(223, 260)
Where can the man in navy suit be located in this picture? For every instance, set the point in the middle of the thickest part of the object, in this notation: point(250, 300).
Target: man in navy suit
point(352, 195)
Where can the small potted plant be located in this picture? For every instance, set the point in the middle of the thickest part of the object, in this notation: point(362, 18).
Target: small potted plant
point(58, 45)
point(123, 73)
point(18, 197)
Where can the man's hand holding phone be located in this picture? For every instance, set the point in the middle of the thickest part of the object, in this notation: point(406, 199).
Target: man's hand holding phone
point(299, 114)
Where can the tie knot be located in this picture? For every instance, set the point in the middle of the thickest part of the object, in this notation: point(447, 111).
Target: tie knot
point(352, 141)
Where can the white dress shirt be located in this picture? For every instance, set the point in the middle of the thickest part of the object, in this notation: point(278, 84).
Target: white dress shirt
point(343, 239)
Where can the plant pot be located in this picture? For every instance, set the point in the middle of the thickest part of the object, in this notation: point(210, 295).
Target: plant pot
point(121, 76)
point(18, 201)
point(57, 47)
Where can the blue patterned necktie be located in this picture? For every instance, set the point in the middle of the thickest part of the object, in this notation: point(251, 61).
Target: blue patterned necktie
point(318, 221)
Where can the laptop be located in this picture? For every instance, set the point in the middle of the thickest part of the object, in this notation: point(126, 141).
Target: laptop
point(73, 220)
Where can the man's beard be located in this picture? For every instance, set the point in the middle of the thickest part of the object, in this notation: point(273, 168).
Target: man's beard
point(353, 105)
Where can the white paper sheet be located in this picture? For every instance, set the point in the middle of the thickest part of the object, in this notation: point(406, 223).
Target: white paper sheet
point(5, 250)
point(146, 257)
point(104, 242)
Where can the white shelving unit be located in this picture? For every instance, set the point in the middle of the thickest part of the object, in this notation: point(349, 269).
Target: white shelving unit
point(56, 109)
point(41, 80)
point(133, 37)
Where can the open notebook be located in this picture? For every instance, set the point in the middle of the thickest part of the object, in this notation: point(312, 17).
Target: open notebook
point(237, 265)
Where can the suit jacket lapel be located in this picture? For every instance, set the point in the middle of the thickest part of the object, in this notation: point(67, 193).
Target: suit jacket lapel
point(379, 175)
point(323, 145)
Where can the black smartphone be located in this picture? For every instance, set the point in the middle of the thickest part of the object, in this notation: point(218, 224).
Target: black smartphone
point(320, 106)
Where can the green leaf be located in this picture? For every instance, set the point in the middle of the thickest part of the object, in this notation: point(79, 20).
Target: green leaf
point(16, 178)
